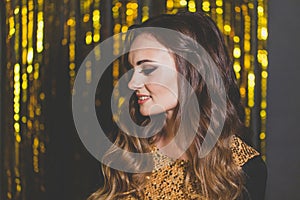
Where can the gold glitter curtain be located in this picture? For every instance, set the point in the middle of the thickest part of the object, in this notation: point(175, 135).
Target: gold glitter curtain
point(44, 43)
point(23, 137)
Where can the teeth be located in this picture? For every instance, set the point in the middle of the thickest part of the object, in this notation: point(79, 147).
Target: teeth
point(143, 97)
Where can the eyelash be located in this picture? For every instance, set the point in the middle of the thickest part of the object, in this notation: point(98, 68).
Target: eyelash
point(148, 71)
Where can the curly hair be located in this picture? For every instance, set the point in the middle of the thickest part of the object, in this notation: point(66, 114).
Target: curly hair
point(219, 176)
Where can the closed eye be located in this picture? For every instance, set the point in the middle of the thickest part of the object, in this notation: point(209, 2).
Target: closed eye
point(147, 70)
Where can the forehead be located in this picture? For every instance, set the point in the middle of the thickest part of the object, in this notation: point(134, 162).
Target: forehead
point(145, 40)
point(145, 45)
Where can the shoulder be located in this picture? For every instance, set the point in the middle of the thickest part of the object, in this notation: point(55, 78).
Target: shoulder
point(241, 152)
point(253, 167)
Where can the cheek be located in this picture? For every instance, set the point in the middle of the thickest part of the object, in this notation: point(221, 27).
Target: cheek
point(163, 83)
point(163, 94)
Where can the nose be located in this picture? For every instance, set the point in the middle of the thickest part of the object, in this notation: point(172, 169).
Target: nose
point(136, 81)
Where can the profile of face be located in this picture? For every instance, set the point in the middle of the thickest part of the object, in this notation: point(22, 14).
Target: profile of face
point(154, 78)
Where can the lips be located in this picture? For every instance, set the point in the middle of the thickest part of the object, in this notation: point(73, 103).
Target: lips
point(143, 98)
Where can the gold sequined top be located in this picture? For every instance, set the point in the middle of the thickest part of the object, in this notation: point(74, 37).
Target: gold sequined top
point(168, 181)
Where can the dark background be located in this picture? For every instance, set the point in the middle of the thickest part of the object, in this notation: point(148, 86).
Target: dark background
point(283, 114)
point(283, 125)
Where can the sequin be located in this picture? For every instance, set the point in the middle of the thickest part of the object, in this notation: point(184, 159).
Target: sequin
point(167, 180)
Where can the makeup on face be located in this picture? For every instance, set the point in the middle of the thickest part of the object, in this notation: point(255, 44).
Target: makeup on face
point(154, 77)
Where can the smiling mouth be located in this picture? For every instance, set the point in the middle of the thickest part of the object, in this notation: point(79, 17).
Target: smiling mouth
point(143, 98)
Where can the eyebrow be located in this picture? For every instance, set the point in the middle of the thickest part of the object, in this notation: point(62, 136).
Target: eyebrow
point(143, 61)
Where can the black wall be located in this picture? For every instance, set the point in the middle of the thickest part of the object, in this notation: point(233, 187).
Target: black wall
point(283, 125)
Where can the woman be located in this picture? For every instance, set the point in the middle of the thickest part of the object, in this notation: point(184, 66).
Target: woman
point(230, 169)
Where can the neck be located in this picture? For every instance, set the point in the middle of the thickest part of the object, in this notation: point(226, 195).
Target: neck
point(169, 132)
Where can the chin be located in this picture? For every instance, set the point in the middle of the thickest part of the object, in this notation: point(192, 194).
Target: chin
point(148, 113)
point(145, 114)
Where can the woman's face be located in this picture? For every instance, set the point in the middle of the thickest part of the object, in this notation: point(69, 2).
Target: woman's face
point(154, 79)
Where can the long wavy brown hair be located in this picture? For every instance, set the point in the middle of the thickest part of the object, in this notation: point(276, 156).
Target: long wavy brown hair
point(219, 176)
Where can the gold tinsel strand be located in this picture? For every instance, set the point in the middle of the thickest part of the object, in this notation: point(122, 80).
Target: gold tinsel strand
point(25, 40)
point(262, 57)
